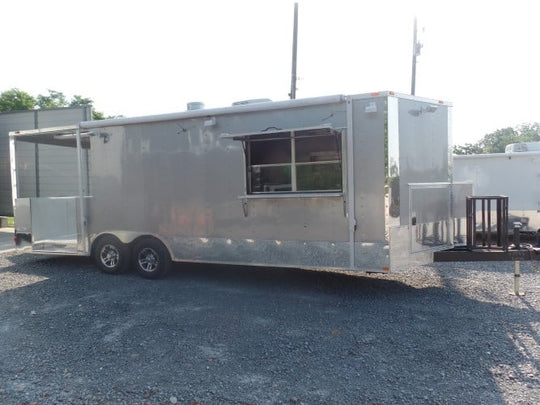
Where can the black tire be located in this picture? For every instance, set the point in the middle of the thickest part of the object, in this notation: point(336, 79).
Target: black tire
point(150, 258)
point(111, 255)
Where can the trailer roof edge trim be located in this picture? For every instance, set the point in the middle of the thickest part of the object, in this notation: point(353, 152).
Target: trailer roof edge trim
point(68, 129)
point(402, 96)
point(512, 155)
point(263, 106)
point(58, 136)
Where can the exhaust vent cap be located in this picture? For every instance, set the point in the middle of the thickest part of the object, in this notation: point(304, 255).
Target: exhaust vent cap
point(195, 105)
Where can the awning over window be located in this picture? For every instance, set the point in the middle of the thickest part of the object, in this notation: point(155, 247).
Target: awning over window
point(325, 129)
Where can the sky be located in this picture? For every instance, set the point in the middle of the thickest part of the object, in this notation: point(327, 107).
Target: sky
point(142, 57)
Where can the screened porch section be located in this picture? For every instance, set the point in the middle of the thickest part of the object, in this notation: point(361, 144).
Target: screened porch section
point(49, 174)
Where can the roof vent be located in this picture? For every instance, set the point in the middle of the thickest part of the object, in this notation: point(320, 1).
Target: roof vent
point(195, 105)
point(252, 101)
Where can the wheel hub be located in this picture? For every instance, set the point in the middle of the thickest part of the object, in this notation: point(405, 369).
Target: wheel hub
point(109, 256)
point(148, 260)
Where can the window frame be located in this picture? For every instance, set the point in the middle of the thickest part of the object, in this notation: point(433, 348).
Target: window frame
point(293, 135)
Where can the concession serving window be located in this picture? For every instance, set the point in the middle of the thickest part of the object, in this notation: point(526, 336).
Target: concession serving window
point(292, 161)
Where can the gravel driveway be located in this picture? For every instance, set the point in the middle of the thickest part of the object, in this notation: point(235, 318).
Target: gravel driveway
point(439, 334)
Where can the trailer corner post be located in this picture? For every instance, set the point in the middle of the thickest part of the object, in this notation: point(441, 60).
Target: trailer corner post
point(351, 214)
point(82, 215)
point(13, 163)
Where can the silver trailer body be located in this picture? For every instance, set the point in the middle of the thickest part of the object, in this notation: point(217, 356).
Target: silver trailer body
point(516, 175)
point(357, 182)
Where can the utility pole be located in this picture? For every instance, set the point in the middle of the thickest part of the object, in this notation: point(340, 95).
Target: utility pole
point(417, 46)
point(292, 94)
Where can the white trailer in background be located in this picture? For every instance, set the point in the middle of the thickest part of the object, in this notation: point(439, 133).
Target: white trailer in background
point(358, 182)
point(522, 147)
point(516, 175)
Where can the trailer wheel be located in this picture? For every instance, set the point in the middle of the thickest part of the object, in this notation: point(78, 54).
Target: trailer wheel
point(151, 258)
point(111, 255)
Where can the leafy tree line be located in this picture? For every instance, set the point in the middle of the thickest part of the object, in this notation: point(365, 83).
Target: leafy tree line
point(495, 142)
point(15, 99)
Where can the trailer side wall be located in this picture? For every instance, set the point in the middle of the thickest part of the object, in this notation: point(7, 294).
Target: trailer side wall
point(186, 182)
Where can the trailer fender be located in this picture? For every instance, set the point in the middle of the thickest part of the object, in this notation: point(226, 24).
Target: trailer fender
point(128, 238)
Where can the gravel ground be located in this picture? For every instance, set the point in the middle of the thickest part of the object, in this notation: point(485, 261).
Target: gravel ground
point(439, 334)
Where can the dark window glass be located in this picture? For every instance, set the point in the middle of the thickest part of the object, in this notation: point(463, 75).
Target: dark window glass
point(270, 152)
point(271, 179)
point(321, 177)
point(315, 165)
point(317, 148)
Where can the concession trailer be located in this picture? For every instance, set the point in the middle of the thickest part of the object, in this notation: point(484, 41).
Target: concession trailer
point(360, 182)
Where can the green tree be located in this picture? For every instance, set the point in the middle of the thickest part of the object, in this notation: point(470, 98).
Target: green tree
point(98, 115)
point(55, 99)
point(529, 132)
point(79, 101)
point(496, 141)
point(467, 149)
point(15, 99)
